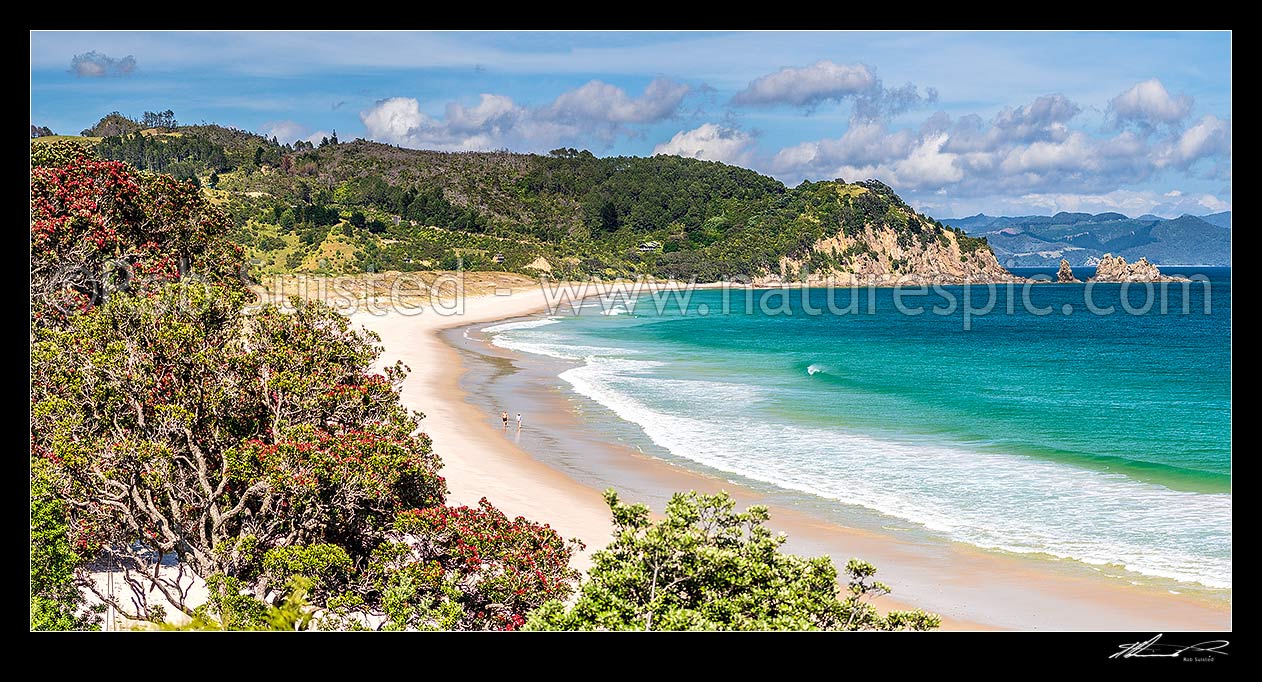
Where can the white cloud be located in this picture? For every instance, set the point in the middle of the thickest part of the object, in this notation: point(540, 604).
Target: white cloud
point(393, 120)
point(287, 132)
point(808, 85)
point(927, 166)
point(594, 111)
point(924, 167)
point(711, 142)
point(1075, 152)
point(1024, 149)
point(1044, 119)
point(1208, 137)
point(399, 120)
point(597, 101)
point(824, 81)
point(492, 112)
point(96, 65)
point(1133, 203)
point(1128, 202)
point(863, 144)
point(1148, 103)
point(1213, 204)
point(1042, 112)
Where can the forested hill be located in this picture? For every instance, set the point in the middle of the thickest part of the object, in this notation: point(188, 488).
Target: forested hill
point(335, 207)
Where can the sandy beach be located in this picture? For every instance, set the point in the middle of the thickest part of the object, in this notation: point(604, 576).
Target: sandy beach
point(969, 587)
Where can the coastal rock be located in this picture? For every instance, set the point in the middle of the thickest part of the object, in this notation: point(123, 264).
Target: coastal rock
point(893, 247)
point(1066, 274)
point(1115, 269)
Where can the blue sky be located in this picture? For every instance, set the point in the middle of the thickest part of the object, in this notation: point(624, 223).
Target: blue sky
point(958, 123)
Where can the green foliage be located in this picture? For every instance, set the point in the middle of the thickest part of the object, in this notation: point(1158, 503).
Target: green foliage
point(607, 221)
point(223, 426)
point(56, 602)
point(325, 565)
point(183, 151)
point(268, 243)
point(706, 567)
point(61, 153)
point(856, 250)
point(292, 613)
point(229, 606)
point(970, 244)
point(112, 124)
point(230, 609)
point(344, 488)
point(182, 156)
point(159, 119)
point(240, 146)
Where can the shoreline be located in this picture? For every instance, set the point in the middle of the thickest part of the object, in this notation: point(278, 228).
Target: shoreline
point(980, 589)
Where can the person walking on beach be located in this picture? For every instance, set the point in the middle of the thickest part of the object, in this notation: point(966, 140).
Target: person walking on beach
point(519, 421)
point(504, 417)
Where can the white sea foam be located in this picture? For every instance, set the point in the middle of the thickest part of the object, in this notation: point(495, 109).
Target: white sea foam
point(524, 324)
point(557, 349)
point(1008, 502)
point(528, 337)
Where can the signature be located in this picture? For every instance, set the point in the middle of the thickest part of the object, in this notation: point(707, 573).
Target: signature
point(1154, 649)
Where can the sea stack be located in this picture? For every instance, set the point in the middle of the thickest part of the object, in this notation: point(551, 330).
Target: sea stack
point(1066, 274)
point(1115, 269)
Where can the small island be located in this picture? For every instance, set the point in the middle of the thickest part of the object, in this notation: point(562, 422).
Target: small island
point(1065, 275)
point(1116, 269)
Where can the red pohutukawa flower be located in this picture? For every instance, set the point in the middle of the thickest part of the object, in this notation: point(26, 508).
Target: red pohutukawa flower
point(495, 568)
point(101, 226)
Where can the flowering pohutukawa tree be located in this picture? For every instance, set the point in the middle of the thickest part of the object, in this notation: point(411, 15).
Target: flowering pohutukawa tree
point(98, 227)
point(307, 366)
point(467, 568)
point(246, 450)
point(170, 437)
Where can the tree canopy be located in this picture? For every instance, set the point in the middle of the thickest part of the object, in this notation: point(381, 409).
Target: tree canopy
point(255, 448)
point(112, 123)
point(707, 567)
point(100, 227)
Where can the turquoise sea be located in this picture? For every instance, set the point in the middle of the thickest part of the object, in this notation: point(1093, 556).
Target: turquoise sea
point(1036, 427)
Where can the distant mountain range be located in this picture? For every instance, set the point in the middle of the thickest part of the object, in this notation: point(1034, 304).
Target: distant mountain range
point(1082, 238)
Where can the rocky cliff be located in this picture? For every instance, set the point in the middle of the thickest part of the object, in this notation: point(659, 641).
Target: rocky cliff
point(871, 237)
point(1115, 269)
